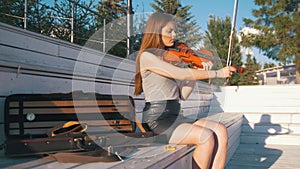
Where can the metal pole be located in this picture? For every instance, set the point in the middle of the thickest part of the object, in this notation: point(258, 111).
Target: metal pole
point(129, 26)
point(229, 56)
point(25, 14)
point(104, 33)
point(72, 22)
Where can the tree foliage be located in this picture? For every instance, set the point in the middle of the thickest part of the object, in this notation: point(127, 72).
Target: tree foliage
point(52, 20)
point(92, 19)
point(83, 25)
point(187, 30)
point(278, 23)
point(269, 65)
point(112, 20)
point(249, 76)
point(217, 38)
point(12, 12)
point(38, 17)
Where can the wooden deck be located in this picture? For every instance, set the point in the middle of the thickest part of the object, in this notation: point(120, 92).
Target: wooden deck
point(260, 156)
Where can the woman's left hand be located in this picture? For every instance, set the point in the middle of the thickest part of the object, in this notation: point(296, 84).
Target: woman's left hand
point(207, 65)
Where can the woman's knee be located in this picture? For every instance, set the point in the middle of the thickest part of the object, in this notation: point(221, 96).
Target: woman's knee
point(222, 135)
point(222, 132)
point(211, 140)
point(207, 136)
point(218, 128)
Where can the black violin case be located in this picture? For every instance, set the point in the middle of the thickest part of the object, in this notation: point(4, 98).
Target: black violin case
point(38, 124)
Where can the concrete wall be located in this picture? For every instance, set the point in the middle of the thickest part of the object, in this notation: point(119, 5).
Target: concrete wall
point(269, 98)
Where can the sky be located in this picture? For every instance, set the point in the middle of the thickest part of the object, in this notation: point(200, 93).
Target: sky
point(201, 9)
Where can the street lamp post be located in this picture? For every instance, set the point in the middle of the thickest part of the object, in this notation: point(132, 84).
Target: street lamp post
point(129, 27)
point(25, 14)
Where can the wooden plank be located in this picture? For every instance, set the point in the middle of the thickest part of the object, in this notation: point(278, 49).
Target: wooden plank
point(64, 58)
point(31, 41)
point(92, 129)
point(198, 95)
point(24, 83)
point(76, 69)
point(195, 103)
point(159, 158)
point(50, 124)
point(21, 38)
point(66, 103)
point(77, 110)
point(24, 57)
point(183, 162)
point(195, 112)
point(234, 134)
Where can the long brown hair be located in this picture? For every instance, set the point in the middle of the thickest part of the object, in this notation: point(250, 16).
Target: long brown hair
point(151, 40)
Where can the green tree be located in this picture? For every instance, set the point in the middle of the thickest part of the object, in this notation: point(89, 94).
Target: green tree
point(83, 24)
point(12, 12)
point(112, 20)
point(268, 65)
point(39, 17)
point(217, 38)
point(187, 29)
point(278, 23)
point(249, 76)
point(53, 21)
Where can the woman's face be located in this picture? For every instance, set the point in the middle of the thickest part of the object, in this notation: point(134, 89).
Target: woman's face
point(168, 34)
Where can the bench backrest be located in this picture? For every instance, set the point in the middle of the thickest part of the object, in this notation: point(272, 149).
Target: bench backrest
point(34, 115)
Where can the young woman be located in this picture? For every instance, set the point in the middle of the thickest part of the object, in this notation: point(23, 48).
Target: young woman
point(165, 84)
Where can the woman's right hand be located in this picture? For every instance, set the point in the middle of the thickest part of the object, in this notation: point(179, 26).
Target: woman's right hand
point(225, 72)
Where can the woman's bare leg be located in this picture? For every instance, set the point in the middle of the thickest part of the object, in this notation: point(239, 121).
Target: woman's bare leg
point(203, 138)
point(203, 153)
point(219, 159)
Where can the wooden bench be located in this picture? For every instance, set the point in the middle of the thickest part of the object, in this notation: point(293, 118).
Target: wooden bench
point(32, 63)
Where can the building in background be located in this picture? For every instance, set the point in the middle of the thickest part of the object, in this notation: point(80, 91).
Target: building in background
point(277, 75)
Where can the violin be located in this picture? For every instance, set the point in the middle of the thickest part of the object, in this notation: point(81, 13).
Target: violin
point(181, 52)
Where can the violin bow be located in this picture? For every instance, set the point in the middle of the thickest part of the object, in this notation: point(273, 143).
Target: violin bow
point(231, 40)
